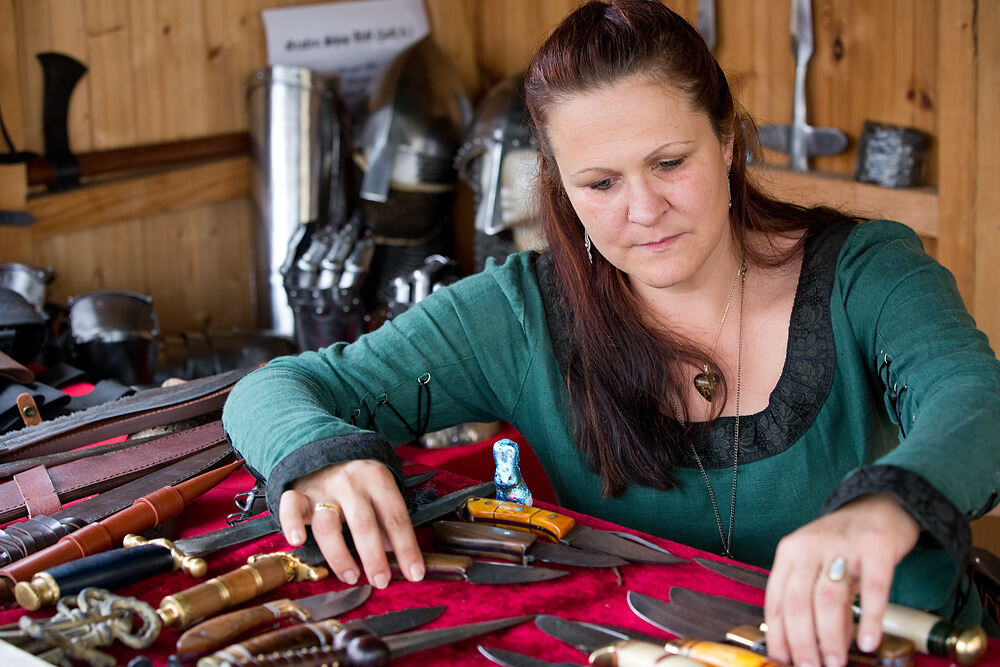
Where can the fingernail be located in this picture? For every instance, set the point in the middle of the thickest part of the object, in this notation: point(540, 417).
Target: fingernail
point(381, 580)
point(351, 577)
point(867, 643)
point(296, 537)
point(831, 661)
point(416, 573)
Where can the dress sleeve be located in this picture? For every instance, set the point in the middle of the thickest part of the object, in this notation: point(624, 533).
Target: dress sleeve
point(457, 356)
point(940, 381)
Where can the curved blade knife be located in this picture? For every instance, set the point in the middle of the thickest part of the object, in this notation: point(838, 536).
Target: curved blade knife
point(474, 539)
point(514, 659)
point(561, 528)
point(929, 633)
point(223, 630)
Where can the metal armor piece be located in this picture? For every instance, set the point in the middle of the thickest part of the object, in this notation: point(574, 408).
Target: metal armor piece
point(114, 335)
point(294, 135)
point(28, 281)
point(499, 161)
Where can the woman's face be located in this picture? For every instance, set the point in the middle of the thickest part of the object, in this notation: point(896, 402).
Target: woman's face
point(647, 177)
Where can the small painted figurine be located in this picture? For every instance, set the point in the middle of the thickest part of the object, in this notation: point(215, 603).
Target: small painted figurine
point(507, 478)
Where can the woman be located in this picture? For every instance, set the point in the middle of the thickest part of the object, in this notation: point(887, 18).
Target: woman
point(690, 358)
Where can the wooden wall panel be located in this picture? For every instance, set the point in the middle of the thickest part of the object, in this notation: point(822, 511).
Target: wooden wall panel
point(14, 243)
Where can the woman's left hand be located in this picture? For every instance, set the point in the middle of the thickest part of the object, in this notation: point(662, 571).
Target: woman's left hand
point(808, 606)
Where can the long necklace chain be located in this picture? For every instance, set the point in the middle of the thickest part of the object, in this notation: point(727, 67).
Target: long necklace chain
point(705, 382)
point(727, 541)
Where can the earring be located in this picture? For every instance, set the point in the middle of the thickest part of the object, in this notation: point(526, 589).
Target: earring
point(586, 244)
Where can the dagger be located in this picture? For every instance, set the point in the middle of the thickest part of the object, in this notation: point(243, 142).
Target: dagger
point(561, 528)
point(455, 567)
point(398, 645)
point(608, 647)
point(473, 539)
point(320, 634)
point(929, 633)
point(692, 614)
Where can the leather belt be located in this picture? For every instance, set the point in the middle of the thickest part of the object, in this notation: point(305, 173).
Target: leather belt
point(41, 490)
point(26, 537)
point(144, 409)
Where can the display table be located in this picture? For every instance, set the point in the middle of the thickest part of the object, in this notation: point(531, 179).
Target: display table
point(595, 595)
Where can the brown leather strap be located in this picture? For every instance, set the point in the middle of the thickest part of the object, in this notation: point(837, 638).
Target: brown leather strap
point(95, 474)
point(29, 409)
point(12, 370)
point(37, 492)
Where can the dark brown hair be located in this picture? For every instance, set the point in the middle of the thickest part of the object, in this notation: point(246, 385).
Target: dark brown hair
point(618, 395)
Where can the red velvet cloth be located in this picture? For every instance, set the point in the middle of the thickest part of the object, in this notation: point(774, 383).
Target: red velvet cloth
point(592, 595)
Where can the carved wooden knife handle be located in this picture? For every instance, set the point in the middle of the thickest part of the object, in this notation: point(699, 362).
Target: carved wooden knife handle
point(225, 629)
point(304, 645)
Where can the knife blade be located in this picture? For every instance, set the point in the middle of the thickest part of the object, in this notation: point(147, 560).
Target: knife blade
point(608, 647)
point(514, 659)
point(694, 614)
point(473, 539)
point(455, 567)
point(929, 633)
point(320, 634)
point(225, 629)
point(561, 528)
point(590, 638)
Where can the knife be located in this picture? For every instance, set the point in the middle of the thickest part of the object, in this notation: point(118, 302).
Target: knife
point(607, 647)
point(455, 567)
point(561, 528)
point(589, 638)
point(321, 633)
point(396, 646)
point(137, 560)
point(515, 659)
point(929, 633)
point(693, 614)
point(223, 630)
point(474, 539)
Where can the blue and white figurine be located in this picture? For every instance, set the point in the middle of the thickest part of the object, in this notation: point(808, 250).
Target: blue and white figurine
point(507, 478)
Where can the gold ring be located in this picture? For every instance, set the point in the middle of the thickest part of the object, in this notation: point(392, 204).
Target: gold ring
point(328, 507)
point(837, 568)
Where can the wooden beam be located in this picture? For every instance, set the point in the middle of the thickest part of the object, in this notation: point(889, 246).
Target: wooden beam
point(916, 207)
point(107, 203)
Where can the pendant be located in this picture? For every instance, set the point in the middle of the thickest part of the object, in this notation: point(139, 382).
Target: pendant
point(707, 384)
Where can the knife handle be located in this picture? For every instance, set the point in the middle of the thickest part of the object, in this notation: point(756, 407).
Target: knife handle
point(438, 566)
point(223, 630)
point(471, 539)
point(632, 653)
point(264, 573)
point(934, 635)
point(536, 520)
point(356, 646)
point(110, 569)
point(718, 654)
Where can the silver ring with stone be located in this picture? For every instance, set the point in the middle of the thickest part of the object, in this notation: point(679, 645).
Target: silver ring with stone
point(837, 569)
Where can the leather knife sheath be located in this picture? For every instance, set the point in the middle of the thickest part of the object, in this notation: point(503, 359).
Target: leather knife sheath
point(42, 490)
point(144, 409)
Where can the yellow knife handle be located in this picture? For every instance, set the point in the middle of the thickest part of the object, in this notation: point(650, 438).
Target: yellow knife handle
point(718, 654)
point(225, 591)
point(543, 522)
point(632, 653)
point(223, 630)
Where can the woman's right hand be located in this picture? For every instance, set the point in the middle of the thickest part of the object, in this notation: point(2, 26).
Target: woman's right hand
point(364, 494)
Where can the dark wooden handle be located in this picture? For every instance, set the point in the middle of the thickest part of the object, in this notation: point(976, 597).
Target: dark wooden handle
point(438, 566)
point(474, 539)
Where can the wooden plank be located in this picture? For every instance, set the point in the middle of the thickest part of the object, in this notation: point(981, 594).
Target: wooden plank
point(14, 243)
point(916, 207)
point(111, 78)
point(956, 137)
point(985, 305)
point(98, 205)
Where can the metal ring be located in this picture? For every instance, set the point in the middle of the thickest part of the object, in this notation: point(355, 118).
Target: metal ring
point(327, 507)
point(837, 569)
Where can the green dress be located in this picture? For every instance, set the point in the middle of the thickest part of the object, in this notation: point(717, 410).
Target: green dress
point(887, 386)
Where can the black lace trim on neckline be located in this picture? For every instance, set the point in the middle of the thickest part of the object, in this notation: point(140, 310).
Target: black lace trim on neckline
point(810, 358)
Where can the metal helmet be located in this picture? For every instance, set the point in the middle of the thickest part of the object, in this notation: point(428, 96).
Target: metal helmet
point(498, 159)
